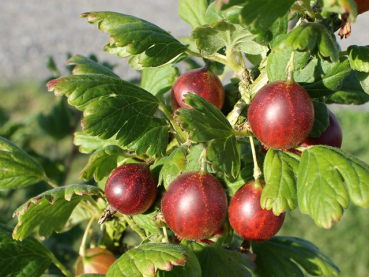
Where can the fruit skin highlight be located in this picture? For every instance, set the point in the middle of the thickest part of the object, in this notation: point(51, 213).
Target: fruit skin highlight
point(281, 114)
point(131, 189)
point(97, 260)
point(195, 205)
point(202, 82)
point(332, 136)
point(247, 217)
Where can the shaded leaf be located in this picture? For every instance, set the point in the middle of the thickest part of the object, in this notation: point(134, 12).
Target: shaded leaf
point(282, 256)
point(313, 38)
point(211, 38)
point(193, 11)
point(111, 106)
point(328, 179)
point(280, 174)
point(27, 258)
point(217, 261)
point(363, 77)
point(50, 210)
point(102, 162)
point(17, 168)
point(58, 123)
point(146, 222)
point(232, 14)
point(351, 92)
point(147, 259)
point(321, 78)
point(206, 123)
point(146, 44)
point(157, 81)
point(258, 14)
point(321, 119)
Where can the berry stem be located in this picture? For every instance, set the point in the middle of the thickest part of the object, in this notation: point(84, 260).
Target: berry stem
point(59, 265)
point(82, 248)
point(257, 171)
point(291, 68)
point(134, 226)
point(177, 131)
point(203, 169)
point(165, 232)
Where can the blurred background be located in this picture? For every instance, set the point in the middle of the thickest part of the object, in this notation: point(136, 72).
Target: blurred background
point(33, 31)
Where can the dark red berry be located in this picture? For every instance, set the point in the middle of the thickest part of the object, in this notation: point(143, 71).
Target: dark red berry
point(201, 81)
point(131, 189)
point(332, 136)
point(195, 205)
point(97, 260)
point(247, 217)
point(281, 115)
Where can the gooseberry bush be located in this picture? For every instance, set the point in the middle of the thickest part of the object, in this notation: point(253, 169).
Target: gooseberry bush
point(193, 168)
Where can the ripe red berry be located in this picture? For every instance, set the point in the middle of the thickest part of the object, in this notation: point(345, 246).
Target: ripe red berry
point(201, 81)
point(97, 260)
point(247, 217)
point(332, 136)
point(131, 189)
point(195, 205)
point(281, 115)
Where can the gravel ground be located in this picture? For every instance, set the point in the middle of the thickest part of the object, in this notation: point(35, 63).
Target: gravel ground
point(32, 30)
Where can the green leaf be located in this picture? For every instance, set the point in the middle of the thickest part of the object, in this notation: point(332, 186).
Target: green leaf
point(321, 119)
point(211, 38)
point(102, 162)
point(147, 259)
point(321, 78)
point(146, 221)
point(313, 38)
point(50, 210)
point(157, 81)
point(261, 14)
point(146, 44)
point(359, 57)
point(193, 11)
point(351, 92)
point(27, 258)
point(174, 165)
point(218, 261)
point(182, 159)
point(340, 7)
point(17, 168)
point(231, 14)
point(89, 144)
point(58, 123)
point(328, 179)
point(206, 123)
point(154, 141)
point(282, 256)
point(280, 173)
point(111, 106)
point(363, 77)
point(277, 63)
point(85, 65)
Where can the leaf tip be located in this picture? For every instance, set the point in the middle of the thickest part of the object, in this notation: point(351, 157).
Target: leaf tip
point(51, 84)
point(84, 15)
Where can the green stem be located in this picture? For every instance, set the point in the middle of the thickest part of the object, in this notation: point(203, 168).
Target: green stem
point(233, 63)
point(165, 232)
point(203, 169)
point(179, 134)
point(82, 248)
point(134, 226)
point(62, 268)
point(194, 54)
point(50, 182)
point(309, 9)
point(257, 171)
point(218, 58)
